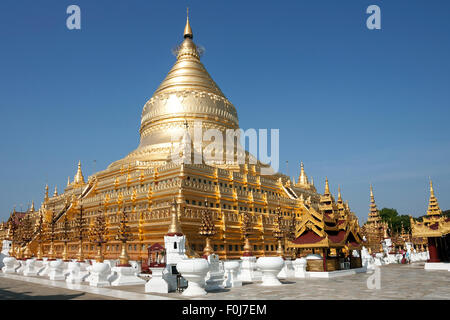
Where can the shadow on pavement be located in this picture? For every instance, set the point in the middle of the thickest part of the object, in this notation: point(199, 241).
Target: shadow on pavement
point(8, 295)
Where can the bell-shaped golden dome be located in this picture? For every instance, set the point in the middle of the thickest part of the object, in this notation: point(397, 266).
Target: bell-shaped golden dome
point(188, 93)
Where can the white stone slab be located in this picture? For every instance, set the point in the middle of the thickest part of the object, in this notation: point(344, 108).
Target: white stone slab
point(437, 266)
point(334, 274)
point(126, 277)
point(157, 283)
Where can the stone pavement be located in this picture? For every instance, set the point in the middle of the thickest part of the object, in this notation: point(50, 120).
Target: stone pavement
point(21, 290)
point(397, 282)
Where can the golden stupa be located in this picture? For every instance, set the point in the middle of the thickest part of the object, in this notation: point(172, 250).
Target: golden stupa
point(148, 185)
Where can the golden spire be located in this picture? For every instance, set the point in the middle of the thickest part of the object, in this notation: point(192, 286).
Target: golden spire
point(174, 228)
point(78, 179)
point(302, 179)
point(68, 181)
point(373, 212)
point(46, 192)
point(187, 29)
point(339, 194)
point(327, 187)
point(32, 206)
point(55, 194)
point(433, 205)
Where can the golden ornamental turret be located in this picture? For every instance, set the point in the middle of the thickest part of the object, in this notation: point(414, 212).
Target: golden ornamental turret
point(46, 193)
point(55, 193)
point(174, 227)
point(303, 178)
point(327, 187)
point(374, 216)
point(68, 181)
point(78, 179)
point(32, 209)
point(433, 205)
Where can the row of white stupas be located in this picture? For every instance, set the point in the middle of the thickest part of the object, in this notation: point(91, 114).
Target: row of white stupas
point(388, 257)
point(202, 275)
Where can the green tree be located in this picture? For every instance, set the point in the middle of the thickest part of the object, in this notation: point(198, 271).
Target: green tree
point(446, 213)
point(394, 220)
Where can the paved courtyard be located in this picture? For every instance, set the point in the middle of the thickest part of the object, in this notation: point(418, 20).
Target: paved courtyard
point(397, 282)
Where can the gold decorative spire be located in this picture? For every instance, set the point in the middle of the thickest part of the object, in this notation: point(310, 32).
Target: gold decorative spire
point(175, 227)
point(433, 205)
point(32, 206)
point(68, 181)
point(188, 73)
point(302, 179)
point(187, 29)
point(46, 192)
point(339, 194)
point(374, 216)
point(55, 194)
point(79, 179)
point(327, 187)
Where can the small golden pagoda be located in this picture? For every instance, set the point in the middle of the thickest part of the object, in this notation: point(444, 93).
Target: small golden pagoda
point(374, 230)
point(329, 229)
point(435, 227)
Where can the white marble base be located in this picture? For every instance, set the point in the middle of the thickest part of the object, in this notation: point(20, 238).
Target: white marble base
point(334, 274)
point(270, 267)
point(30, 268)
point(249, 272)
point(2, 256)
point(194, 271)
point(231, 274)
point(300, 267)
point(56, 270)
point(157, 283)
point(39, 265)
point(437, 266)
point(126, 277)
point(76, 274)
point(287, 271)
point(21, 267)
point(9, 265)
point(99, 275)
point(45, 270)
point(215, 277)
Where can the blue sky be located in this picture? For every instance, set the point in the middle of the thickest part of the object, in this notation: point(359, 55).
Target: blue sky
point(359, 106)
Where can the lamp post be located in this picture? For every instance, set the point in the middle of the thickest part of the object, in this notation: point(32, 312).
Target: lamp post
point(207, 229)
point(246, 229)
point(79, 232)
point(278, 233)
point(39, 230)
point(50, 225)
point(97, 235)
point(27, 235)
point(124, 234)
point(65, 237)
